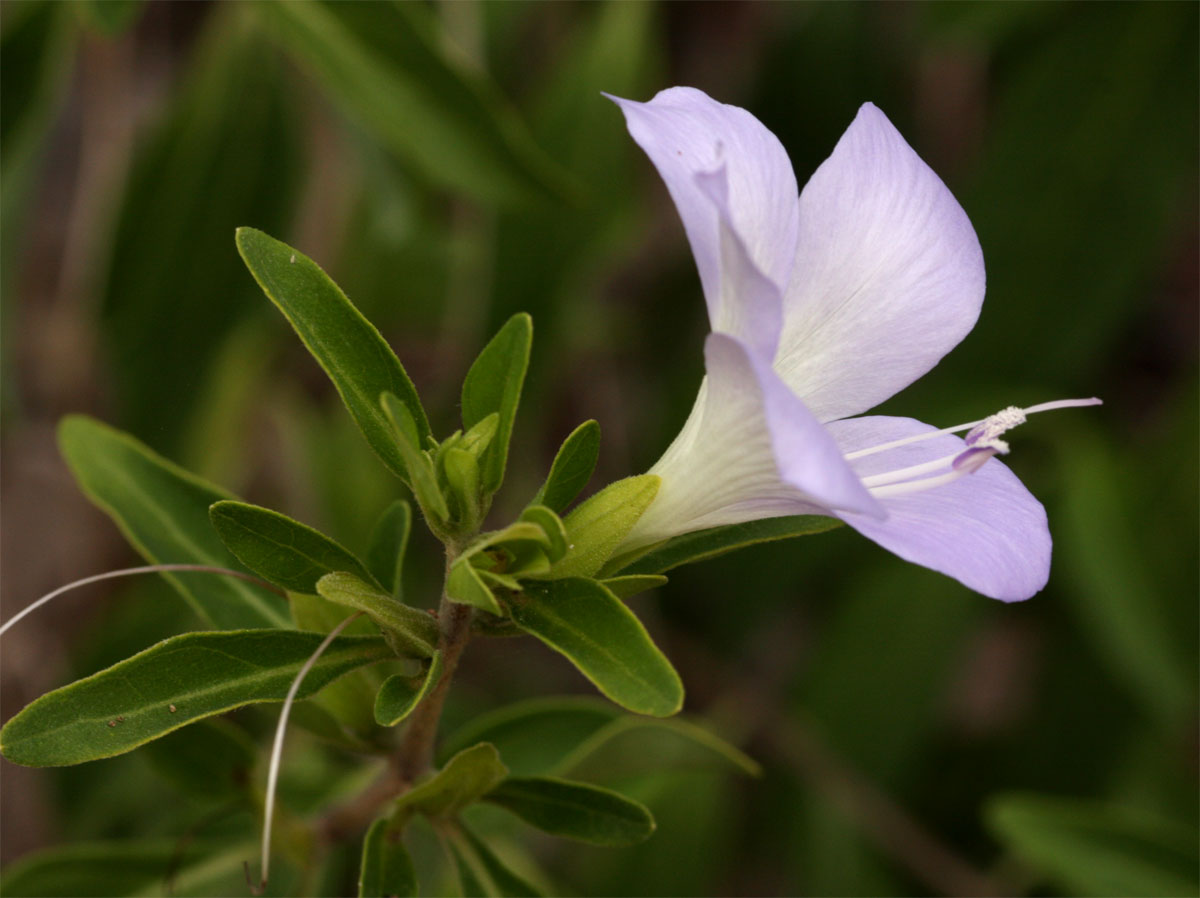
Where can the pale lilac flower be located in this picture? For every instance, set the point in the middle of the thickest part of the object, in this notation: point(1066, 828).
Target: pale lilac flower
point(823, 303)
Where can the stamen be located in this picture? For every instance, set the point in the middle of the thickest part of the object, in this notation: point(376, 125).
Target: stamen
point(277, 748)
point(917, 486)
point(899, 474)
point(1031, 410)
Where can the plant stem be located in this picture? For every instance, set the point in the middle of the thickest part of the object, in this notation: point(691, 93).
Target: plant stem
point(416, 749)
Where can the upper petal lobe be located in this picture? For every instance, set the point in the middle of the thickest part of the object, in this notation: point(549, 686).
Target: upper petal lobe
point(687, 134)
point(888, 274)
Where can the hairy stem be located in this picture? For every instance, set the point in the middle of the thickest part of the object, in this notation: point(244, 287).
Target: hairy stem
point(416, 751)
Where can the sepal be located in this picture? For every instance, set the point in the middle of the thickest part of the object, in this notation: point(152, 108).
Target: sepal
point(596, 528)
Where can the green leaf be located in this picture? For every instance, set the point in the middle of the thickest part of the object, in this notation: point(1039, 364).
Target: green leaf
point(599, 635)
point(357, 359)
point(413, 631)
point(421, 474)
point(211, 759)
point(575, 810)
point(169, 685)
point(462, 477)
point(389, 540)
point(705, 544)
point(275, 547)
point(552, 526)
point(228, 152)
point(1093, 848)
point(632, 746)
point(111, 16)
point(533, 736)
point(465, 585)
point(163, 511)
point(631, 584)
point(37, 59)
point(480, 872)
point(399, 695)
point(493, 385)
point(572, 468)
point(467, 777)
point(596, 528)
point(387, 67)
point(1113, 587)
point(102, 869)
point(386, 869)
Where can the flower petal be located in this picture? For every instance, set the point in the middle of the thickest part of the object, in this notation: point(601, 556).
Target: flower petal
point(749, 450)
point(750, 305)
point(985, 529)
point(686, 133)
point(888, 276)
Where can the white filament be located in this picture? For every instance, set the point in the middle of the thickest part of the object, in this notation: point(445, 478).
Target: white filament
point(128, 572)
point(876, 480)
point(277, 748)
point(918, 486)
point(1033, 409)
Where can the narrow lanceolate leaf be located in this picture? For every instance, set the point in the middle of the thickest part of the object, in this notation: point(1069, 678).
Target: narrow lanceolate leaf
point(181, 679)
point(389, 541)
point(387, 870)
point(493, 385)
point(481, 873)
point(399, 695)
point(384, 64)
point(413, 632)
point(596, 528)
point(354, 355)
point(630, 585)
point(599, 635)
point(533, 736)
point(275, 547)
point(126, 867)
point(466, 778)
point(575, 810)
point(163, 511)
point(572, 468)
point(634, 746)
point(705, 544)
point(226, 151)
point(1093, 848)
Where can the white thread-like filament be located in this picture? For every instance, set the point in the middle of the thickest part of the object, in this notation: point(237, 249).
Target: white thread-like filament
point(277, 747)
point(128, 572)
point(1032, 410)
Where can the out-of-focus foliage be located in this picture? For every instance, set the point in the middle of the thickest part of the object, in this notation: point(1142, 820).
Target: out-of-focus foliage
point(452, 164)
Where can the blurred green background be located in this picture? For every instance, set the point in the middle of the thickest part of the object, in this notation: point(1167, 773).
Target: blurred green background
point(452, 163)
